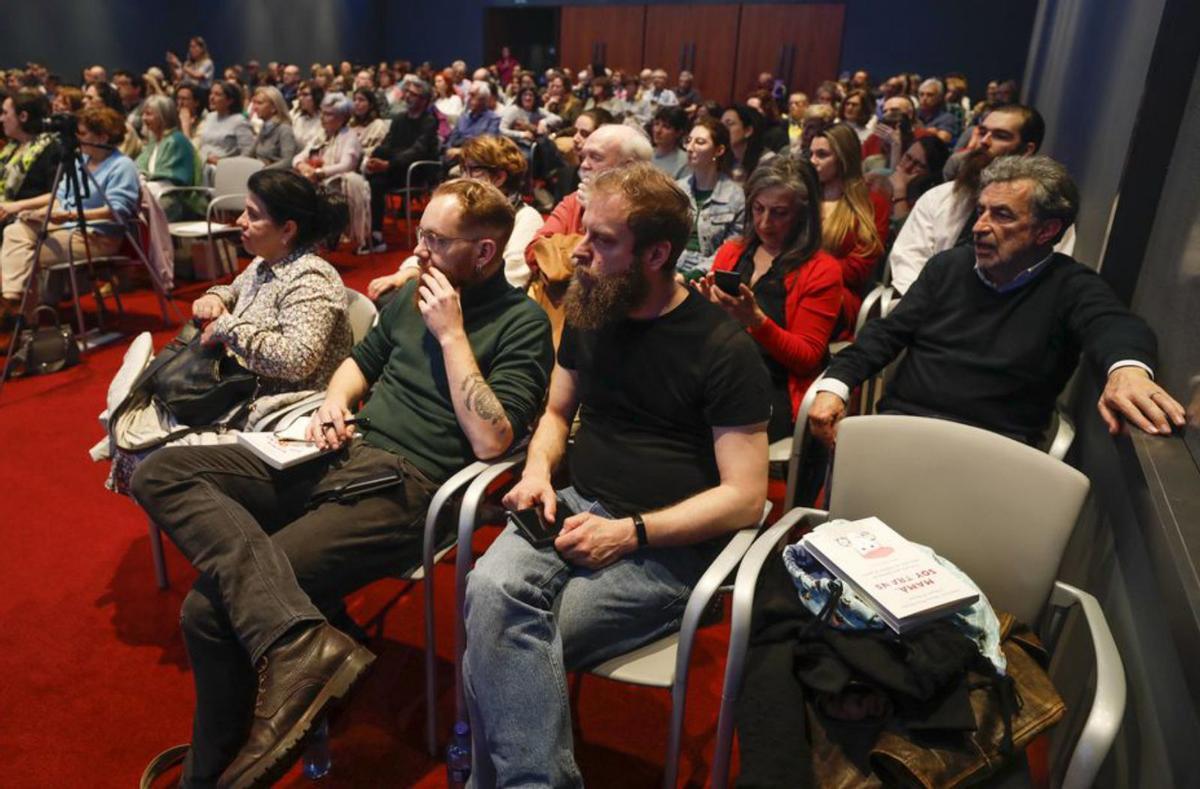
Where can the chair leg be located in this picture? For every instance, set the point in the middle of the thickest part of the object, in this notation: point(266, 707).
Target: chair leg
point(156, 551)
point(430, 668)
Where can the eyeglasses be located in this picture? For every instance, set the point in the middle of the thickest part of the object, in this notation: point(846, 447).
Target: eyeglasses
point(473, 169)
point(437, 243)
point(906, 158)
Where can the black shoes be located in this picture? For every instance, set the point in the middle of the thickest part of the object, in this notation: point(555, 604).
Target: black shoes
point(297, 682)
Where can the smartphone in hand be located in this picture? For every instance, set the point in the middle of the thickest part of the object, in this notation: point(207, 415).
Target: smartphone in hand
point(532, 525)
point(729, 281)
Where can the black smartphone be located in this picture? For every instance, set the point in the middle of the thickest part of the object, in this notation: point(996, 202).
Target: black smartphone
point(533, 526)
point(729, 281)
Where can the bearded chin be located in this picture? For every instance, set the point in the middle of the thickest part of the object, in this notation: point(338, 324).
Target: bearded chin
point(582, 192)
point(594, 302)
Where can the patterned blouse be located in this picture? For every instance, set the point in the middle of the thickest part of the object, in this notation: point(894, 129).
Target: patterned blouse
point(287, 321)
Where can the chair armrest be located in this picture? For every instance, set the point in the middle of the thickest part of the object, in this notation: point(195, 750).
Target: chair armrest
point(217, 202)
point(445, 492)
point(417, 165)
point(1064, 436)
point(175, 189)
point(1108, 704)
point(467, 514)
point(872, 299)
point(706, 587)
point(739, 630)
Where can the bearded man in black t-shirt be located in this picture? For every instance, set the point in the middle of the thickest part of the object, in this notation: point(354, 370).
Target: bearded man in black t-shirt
point(670, 457)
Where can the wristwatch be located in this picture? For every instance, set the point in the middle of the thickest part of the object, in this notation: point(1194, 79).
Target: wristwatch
point(639, 525)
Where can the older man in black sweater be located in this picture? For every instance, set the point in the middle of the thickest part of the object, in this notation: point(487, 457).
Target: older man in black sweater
point(994, 331)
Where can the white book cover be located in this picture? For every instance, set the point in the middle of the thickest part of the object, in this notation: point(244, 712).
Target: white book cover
point(282, 448)
point(900, 579)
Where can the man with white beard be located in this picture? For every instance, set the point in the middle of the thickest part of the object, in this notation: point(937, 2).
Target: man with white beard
point(607, 148)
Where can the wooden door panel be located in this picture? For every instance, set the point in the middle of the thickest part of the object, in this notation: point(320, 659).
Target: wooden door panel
point(800, 43)
point(701, 38)
point(612, 34)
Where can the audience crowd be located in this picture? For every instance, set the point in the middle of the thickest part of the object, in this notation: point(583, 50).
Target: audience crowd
point(688, 264)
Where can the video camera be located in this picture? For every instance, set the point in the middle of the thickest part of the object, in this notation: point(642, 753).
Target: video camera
point(63, 124)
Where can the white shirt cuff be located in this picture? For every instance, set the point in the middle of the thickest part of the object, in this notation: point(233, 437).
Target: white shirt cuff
point(1130, 363)
point(833, 385)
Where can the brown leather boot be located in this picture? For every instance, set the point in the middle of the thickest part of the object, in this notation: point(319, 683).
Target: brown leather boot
point(297, 681)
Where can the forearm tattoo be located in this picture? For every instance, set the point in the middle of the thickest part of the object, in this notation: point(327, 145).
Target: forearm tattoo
point(481, 400)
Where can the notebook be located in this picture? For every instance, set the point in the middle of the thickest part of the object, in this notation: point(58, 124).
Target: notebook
point(282, 448)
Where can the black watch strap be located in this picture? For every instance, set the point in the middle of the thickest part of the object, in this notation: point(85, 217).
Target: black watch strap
point(639, 525)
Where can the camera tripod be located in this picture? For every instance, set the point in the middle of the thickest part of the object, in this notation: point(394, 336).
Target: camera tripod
point(79, 182)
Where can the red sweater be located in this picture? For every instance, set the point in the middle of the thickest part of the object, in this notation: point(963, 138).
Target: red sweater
point(814, 297)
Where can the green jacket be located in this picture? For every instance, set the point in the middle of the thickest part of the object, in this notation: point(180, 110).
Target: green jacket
point(178, 164)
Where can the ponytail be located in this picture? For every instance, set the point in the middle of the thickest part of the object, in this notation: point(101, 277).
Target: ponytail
point(320, 216)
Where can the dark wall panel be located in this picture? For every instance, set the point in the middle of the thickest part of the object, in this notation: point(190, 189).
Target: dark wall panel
point(68, 35)
point(929, 36)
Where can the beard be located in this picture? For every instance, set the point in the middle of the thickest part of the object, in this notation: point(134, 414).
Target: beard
point(593, 302)
point(971, 171)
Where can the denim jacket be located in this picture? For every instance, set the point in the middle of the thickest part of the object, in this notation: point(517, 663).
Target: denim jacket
point(719, 219)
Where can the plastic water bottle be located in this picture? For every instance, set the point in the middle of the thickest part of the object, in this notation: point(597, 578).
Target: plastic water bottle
point(458, 755)
point(317, 759)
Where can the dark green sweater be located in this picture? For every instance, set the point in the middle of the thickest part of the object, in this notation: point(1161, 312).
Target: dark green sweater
point(995, 360)
point(410, 408)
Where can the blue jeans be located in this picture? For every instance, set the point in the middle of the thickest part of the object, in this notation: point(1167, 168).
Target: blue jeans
point(530, 618)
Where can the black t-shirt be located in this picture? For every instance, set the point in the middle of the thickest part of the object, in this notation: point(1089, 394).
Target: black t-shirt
point(650, 393)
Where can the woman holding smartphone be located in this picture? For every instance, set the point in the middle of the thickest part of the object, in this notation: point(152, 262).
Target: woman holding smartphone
point(788, 291)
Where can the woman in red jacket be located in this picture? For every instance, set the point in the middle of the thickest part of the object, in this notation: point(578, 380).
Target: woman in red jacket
point(854, 221)
point(791, 291)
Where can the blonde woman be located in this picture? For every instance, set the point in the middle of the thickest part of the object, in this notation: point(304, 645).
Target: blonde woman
point(854, 221)
point(275, 144)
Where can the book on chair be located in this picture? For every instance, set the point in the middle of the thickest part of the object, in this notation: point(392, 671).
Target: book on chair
point(905, 585)
point(282, 448)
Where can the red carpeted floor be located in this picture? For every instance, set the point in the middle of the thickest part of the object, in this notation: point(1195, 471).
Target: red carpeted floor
point(95, 677)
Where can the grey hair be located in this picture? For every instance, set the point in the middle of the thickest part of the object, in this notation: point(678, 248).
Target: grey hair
point(934, 81)
point(418, 85)
point(631, 141)
point(482, 88)
point(1055, 195)
point(165, 108)
point(282, 114)
point(796, 175)
point(339, 103)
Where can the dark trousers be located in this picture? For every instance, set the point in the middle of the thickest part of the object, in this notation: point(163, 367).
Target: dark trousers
point(391, 178)
point(274, 549)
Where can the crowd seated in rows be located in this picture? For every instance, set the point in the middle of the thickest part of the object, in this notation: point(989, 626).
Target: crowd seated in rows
point(727, 265)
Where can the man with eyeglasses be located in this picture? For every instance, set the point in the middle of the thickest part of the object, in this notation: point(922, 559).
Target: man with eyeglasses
point(456, 369)
point(411, 138)
point(943, 217)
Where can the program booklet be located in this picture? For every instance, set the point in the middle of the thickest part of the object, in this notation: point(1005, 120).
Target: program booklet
point(905, 585)
point(282, 448)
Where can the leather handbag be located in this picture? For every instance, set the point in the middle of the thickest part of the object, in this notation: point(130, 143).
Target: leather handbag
point(197, 383)
point(45, 349)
